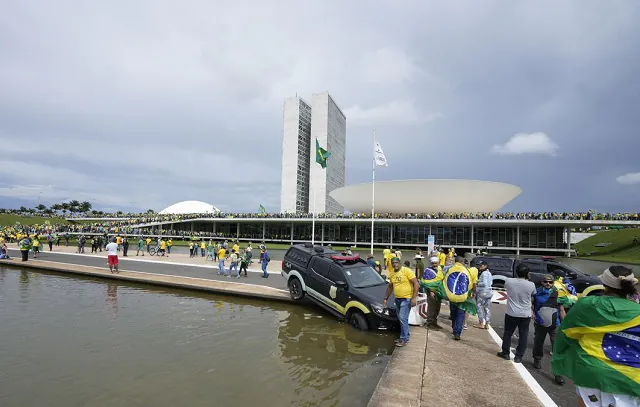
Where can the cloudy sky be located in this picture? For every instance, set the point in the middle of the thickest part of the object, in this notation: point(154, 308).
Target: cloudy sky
point(140, 104)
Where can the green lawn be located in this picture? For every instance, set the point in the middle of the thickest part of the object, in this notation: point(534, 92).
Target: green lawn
point(10, 220)
point(631, 256)
point(619, 240)
point(620, 247)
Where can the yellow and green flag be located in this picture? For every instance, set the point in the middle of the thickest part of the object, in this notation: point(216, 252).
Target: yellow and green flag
point(321, 155)
point(598, 345)
point(454, 286)
point(261, 210)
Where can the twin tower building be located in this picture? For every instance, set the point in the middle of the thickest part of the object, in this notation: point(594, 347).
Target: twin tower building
point(305, 184)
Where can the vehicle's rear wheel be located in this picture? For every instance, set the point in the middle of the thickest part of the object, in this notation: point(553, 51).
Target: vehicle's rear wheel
point(358, 321)
point(295, 289)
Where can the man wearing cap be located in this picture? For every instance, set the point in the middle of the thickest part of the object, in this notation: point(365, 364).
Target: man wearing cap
point(547, 315)
point(404, 285)
point(433, 274)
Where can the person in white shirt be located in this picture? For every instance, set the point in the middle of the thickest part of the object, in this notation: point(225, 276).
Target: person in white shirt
point(112, 256)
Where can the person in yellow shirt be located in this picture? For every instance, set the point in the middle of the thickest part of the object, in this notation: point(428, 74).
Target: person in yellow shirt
point(222, 254)
point(236, 247)
point(169, 245)
point(163, 247)
point(386, 253)
point(442, 258)
point(148, 242)
point(36, 246)
point(404, 286)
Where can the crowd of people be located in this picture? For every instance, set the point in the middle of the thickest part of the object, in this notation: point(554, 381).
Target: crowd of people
point(554, 307)
point(595, 339)
point(145, 218)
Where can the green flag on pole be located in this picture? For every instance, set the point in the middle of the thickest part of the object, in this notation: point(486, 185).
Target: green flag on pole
point(261, 209)
point(321, 155)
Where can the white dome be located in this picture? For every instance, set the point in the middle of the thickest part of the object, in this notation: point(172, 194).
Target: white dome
point(185, 207)
point(427, 196)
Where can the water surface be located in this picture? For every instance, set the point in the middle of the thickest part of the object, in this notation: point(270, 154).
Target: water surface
point(70, 341)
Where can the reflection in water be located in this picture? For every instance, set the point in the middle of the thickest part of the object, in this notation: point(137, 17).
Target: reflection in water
point(332, 352)
point(82, 341)
point(24, 284)
point(112, 299)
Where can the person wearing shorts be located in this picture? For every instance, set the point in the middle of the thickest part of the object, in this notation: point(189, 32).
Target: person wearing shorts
point(112, 256)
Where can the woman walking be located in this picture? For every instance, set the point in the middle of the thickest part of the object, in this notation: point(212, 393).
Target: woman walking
point(484, 293)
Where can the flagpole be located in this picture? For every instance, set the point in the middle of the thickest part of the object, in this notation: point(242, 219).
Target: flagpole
point(373, 188)
point(313, 214)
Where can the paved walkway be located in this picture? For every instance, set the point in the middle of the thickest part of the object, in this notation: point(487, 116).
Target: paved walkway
point(432, 370)
point(435, 370)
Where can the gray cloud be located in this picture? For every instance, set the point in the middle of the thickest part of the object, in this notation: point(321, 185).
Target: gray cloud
point(143, 104)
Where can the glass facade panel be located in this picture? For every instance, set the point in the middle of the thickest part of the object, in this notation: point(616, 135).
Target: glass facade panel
point(224, 229)
point(347, 233)
point(551, 238)
point(279, 231)
point(542, 238)
point(251, 231)
point(500, 237)
point(331, 232)
point(303, 231)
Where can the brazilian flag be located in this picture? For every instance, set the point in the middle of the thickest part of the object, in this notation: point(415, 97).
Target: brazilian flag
point(566, 293)
point(321, 155)
point(261, 210)
point(598, 345)
point(453, 287)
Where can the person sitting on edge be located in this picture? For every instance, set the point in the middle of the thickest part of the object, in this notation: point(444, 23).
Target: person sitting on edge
point(404, 285)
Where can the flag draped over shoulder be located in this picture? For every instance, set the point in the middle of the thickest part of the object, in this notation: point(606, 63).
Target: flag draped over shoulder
point(598, 345)
point(321, 155)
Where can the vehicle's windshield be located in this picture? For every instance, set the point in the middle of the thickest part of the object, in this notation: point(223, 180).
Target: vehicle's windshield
point(363, 276)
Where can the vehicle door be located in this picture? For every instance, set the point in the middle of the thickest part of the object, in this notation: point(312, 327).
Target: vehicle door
point(537, 270)
point(557, 271)
point(317, 280)
point(339, 295)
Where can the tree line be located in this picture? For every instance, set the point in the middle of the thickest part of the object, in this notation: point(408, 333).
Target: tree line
point(71, 208)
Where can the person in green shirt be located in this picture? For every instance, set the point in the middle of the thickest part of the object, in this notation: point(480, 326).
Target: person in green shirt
point(140, 246)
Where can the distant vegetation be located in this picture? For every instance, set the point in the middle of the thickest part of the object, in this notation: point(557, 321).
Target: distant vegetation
point(9, 219)
point(612, 245)
point(64, 208)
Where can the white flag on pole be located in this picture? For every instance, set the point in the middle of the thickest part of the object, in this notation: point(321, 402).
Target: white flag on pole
point(378, 156)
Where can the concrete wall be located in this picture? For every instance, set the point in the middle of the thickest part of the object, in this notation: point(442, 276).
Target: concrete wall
point(329, 126)
point(295, 160)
